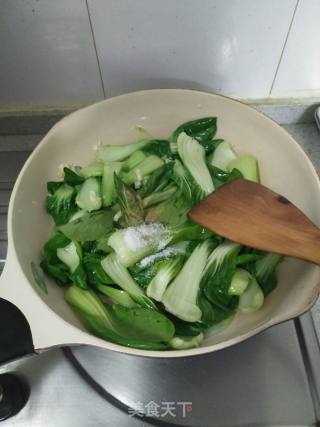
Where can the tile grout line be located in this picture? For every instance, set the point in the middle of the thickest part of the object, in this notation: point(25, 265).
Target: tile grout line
point(284, 46)
point(95, 49)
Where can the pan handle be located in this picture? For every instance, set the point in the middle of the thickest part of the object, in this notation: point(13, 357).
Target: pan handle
point(39, 327)
point(15, 333)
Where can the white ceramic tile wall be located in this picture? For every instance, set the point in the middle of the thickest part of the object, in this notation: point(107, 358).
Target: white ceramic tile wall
point(299, 70)
point(232, 47)
point(235, 47)
point(47, 54)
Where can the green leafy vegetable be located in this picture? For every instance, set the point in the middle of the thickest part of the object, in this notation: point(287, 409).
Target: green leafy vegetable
point(220, 177)
point(183, 343)
point(119, 324)
point(114, 153)
point(130, 203)
point(222, 156)
point(218, 274)
point(89, 195)
point(247, 165)
point(252, 298)
point(137, 271)
point(157, 180)
point(71, 178)
point(121, 276)
point(202, 130)
point(93, 170)
point(189, 188)
point(92, 226)
point(52, 186)
point(71, 256)
point(160, 196)
point(134, 243)
point(134, 160)
point(166, 272)
point(136, 175)
point(192, 155)
point(38, 278)
point(239, 282)
point(265, 271)
point(95, 273)
point(57, 240)
point(172, 212)
point(60, 204)
point(117, 295)
point(110, 170)
point(159, 147)
point(58, 271)
point(180, 298)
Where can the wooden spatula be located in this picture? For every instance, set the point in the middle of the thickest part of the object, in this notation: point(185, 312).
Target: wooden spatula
point(253, 215)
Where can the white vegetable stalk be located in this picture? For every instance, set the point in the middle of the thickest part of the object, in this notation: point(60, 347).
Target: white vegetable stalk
point(252, 299)
point(114, 153)
point(108, 187)
point(193, 156)
point(89, 196)
point(70, 255)
point(121, 276)
point(219, 255)
point(161, 280)
point(223, 155)
point(239, 282)
point(180, 298)
point(134, 243)
point(183, 343)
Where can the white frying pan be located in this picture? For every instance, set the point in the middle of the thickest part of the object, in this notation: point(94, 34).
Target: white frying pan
point(47, 320)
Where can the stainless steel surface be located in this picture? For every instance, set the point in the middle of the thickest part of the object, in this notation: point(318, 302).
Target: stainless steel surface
point(263, 380)
point(60, 398)
point(272, 379)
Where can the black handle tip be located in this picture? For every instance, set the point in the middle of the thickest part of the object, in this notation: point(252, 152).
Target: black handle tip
point(14, 394)
point(15, 333)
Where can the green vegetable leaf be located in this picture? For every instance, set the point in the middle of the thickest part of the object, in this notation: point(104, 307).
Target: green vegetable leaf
point(118, 324)
point(117, 296)
point(159, 147)
point(101, 331)
point(95, 273)
point(264, 269)
point(217, 277)
point(143, 324)
point(92, 226)
point(130, 203)
point(52, 186)
point(192, 155)
point(160, 196)
point(38, 278)
point(211, 145)
point(61, 204)
point(71, 178)
point(220, 177)
point(57, 271)
point(79, 277)
point(202, 130)
point(57, 240)
point(171, 212)
point(157, 180)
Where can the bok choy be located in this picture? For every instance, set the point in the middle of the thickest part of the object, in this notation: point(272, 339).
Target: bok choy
point(136, 271)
